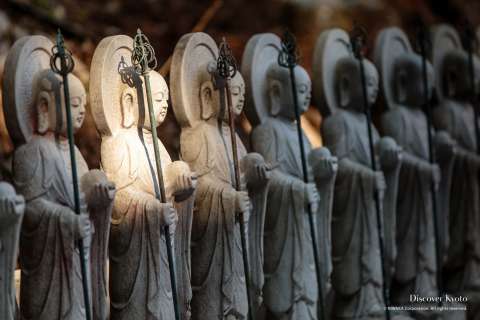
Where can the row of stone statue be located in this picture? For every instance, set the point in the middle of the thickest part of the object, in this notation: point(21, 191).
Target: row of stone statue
point(410, 225)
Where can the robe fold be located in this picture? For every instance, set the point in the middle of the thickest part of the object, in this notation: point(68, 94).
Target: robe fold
point(218, 279)
point(416, 267)
point(51, 286)
point(140, 286)
point(357, 275)
point(290, 288)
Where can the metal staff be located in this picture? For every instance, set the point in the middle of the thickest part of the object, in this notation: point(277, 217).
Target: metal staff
point(424, 44)
point(60, 55)
point(226, 70)
point(470, 43)
point(357, 39)
point(144, 60)
point(288, 58)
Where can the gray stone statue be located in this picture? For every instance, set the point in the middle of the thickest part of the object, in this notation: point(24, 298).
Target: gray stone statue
point(218, 279)
point(290, 290)
point(12, 207)
point(140, 286)
point(357, 275)
point(51, 285)
point(455, 115)
point(416, 264)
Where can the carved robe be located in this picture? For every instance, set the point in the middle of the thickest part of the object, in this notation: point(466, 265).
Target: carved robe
point(51, 286)
point(255, 228)
point(416, 260)
point(140, 286)
point(218, 279)
point(356, 275)
point(10, 224)
point(462, 268)
point(290, 288)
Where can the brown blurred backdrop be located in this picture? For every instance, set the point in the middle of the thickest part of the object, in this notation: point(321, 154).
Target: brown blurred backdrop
point(86, 22)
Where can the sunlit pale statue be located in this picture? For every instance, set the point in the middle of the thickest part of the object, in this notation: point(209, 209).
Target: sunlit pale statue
point(140, 285)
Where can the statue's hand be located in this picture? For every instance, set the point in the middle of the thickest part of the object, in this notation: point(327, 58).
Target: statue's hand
point(380, 183)
point(312, 196)
point(168, 214)
point(435, 174)
point(242, 202)
point(102, 194)
point(391, 157)
point(83, 226)
point(184, 182)
point(444, 146)
point(257, 172)
point(326, 167)
point(12, 206)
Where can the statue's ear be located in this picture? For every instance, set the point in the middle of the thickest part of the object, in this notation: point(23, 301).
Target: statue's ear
point(127, 105)
point(401, 86)
point(275, 95)
point(345, 88)
point(43, 120)
point(206, 100)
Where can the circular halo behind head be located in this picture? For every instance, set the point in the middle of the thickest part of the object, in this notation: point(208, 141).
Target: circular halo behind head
point(444, 38)
point(110, 71)
point(28, 56)
point(193, 59)
point(331, 46)
point(389, 45)
point(260, 53)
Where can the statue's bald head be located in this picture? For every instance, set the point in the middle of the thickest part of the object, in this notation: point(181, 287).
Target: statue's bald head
point(455, 75)
point(280, 94)
point(49, 102)
point(348, 83)
point(408, 80)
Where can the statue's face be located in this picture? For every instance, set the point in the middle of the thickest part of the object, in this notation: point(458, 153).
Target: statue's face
point(409, 82)
point(456, 76)
point(51, 107)
point(237, 91)
point(371, 77)
point(280, 92)
point(159, 98)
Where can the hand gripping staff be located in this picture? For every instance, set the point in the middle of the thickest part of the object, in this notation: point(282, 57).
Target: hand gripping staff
point(357, 40)
point(144, 60)
point(226, 70)
point(61, 62)
point(424, 43)
point(288, 58)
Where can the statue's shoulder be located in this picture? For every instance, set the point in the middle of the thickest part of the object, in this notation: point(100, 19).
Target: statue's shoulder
point(35, 165)
point(335, 122)
point(267, 130)
point(118, 155)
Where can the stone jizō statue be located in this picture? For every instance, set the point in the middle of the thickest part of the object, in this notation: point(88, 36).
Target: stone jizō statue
point(12, 207)
point(140, 286)
point(218, 278)
point(51, 285)
point(357, 276)
point(290, 290)
point(405, 121)
point(455, 115)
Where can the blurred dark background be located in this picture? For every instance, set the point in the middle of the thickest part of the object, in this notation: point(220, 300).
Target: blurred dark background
point(86, 22)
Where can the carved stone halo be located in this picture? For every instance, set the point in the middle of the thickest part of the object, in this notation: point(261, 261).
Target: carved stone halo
point(260, 53)
point(193, 61)
point(28, 56)
point(389, 45)
point(444, 39)
point(332, 45)
point(110, 71)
